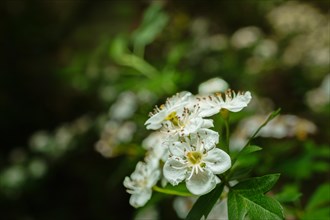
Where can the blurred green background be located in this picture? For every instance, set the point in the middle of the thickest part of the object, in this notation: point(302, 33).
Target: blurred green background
point(78, 79)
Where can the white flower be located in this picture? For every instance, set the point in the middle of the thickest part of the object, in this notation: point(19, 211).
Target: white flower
point(234, 102)
point(186, 123)
point(154, 143)
point(173, 106)
point(196, 162)
point(140, 183)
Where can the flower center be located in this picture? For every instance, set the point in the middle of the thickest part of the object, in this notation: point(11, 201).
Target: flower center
point(194, 157)
point(172, 118)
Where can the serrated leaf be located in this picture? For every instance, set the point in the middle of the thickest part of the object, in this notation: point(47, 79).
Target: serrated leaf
point(205, 203)
point(247, 199)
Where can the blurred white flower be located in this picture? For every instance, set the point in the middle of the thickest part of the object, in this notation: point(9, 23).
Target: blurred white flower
point(304, 28)
point(196, 162)
point(218, 42)
point(182, 206)
point(213, 85)
point(246, 37)
point(140, 183)
point(280, 127)
point(319, 97)
point(148, 213)
point(113, 134)
point(124, 107)
point(266, 49)
point(294, 17)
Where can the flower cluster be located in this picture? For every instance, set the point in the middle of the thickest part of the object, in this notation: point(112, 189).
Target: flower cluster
point(183, 146)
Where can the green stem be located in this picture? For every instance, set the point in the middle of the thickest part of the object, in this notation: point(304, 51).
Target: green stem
point(226, 147)
point(171, 192)
point(269, 118)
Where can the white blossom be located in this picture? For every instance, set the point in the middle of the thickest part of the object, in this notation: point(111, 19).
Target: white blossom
point(196, 162)
point(173, 106)
point(186, 123)
point(140, 183)
point(234, 102)
point(154, 143)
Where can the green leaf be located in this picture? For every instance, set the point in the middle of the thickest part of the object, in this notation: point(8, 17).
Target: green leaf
point(246, 150)
point(154, 21)
point(250, 149)
point(290, 193)
point(241, 164)
point(205, 203)
point(247, 199)
point(318, 206)
point(118, 47)
point(320, 198)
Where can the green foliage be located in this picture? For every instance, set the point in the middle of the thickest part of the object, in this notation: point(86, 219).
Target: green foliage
point(318, 206)
point(154, 21)
point(247, 199)
point(289, 193)
point(170, 50)
point(205, 203)
point(312, 159)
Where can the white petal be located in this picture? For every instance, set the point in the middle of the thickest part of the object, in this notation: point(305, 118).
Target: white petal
point(238, 102)
point(193, 126)
point(208, 123)
point(178, 149)
point(140, 199)
point(174, 171)
point(208, 110)
point(201, 183)
point(217, 161)
point(154, 122)
point(209, 138)
point(153, 178)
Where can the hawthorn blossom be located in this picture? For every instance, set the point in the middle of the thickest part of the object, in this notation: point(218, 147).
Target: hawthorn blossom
point(188, 122)
point(140, 183)
point(155, 144)
point(168, 111)
point(234, 102)
point(196, 162)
